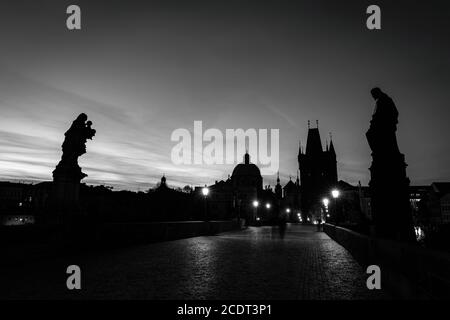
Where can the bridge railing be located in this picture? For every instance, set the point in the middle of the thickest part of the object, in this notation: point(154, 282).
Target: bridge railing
point(407, 270)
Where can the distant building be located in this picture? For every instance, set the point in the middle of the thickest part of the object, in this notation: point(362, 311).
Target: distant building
point(16, 203)
point(318, 170)
point(220, 200)
point(437, 203)
point(247, 185)
point(236, 196)
point(292, 199)
point(168, 204)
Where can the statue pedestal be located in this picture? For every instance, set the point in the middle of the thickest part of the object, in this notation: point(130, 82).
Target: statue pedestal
point(389, 188)
point(66, 190)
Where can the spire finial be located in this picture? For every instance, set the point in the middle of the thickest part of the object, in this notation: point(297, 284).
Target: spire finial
point(317, 124)
point(331, 137)
point(246, 158)
point(308, 124)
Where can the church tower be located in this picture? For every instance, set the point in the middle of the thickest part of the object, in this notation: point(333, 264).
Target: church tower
point(278, 188)
point(318, 169)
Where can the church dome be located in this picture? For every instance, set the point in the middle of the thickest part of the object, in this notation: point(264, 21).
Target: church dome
point(246, 168)
point(243, 169)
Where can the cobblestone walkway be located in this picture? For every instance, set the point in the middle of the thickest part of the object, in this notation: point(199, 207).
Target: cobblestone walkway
point(250, 264)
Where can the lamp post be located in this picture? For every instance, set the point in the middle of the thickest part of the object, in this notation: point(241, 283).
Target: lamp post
point(288, 211)
point(205, 192)
point(325, 204)
point(335, 193)
point(255, 205)
point(268, 206)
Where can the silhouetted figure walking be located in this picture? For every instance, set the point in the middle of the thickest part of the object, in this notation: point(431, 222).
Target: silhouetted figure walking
point(282, 221)
point(319, 224)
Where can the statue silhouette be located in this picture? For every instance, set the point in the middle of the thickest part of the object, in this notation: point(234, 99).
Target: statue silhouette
point(74, 144)
point(389, 185)
point(383, 126)
point(67, 174)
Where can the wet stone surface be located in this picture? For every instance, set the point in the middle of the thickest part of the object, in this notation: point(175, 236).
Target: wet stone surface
point(250, 264)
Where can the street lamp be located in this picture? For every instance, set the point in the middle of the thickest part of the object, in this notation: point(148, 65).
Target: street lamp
point(335, 193)
point(255, 205)
point(205, 192)
point(288, 210)
point(325, 204)
point(268, 205)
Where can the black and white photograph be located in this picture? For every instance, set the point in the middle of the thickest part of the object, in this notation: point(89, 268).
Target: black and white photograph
point(224, 155)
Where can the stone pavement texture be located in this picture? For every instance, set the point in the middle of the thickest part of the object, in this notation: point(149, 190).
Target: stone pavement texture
point(251, 264)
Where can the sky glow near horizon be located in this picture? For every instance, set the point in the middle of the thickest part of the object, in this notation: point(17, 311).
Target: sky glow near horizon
point(141, 70)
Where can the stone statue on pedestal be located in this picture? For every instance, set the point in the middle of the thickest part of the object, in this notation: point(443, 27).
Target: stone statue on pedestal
point(74, 144)
point(389, 185)
point(68, 174)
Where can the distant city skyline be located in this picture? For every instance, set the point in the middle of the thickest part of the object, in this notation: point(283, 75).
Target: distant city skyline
point(141, 70)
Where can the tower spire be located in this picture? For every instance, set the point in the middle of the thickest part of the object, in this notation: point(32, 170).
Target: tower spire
point(308, 124)
point(317, 124)
point(331, 145)
point(246, 157)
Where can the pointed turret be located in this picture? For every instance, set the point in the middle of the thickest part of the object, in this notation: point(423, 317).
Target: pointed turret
point(313, 143)
point(332, 148)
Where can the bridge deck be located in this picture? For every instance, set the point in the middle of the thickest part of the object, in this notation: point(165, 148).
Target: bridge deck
point(250, 264)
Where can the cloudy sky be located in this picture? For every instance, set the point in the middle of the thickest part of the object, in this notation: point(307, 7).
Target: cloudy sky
point(140, 70)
